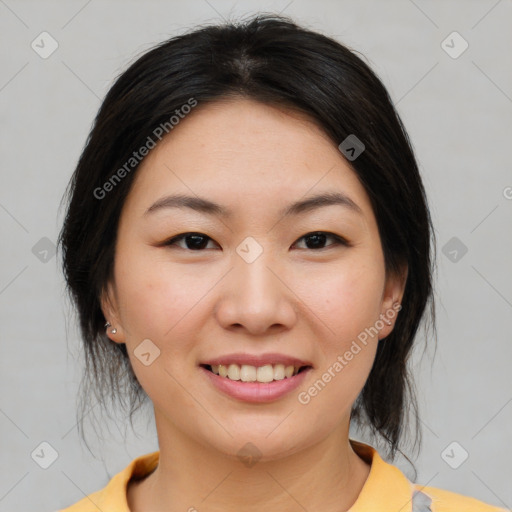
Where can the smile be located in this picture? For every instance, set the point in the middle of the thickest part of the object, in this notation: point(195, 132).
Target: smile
point(249, 373)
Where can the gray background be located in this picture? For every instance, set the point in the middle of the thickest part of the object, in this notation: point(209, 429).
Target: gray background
point(458, 114)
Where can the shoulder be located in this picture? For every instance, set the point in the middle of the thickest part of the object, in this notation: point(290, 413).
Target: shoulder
point(441, 500)
point(387, 484)
point(114, 495)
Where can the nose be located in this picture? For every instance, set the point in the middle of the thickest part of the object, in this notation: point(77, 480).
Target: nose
point(256, 297)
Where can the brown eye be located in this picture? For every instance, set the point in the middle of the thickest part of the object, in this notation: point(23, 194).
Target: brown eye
point(317, 239)
point(193, 241)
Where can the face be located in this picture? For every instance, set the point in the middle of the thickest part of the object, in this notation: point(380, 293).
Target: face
point(253, 286)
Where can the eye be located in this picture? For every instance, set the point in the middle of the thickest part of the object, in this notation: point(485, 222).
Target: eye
point(317, 239)
point(199, 241)
point(196, 241)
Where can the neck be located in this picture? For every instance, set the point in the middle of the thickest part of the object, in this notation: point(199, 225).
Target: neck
point(327, 476)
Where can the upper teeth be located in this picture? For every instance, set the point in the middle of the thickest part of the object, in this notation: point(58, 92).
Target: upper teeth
point(248, 373)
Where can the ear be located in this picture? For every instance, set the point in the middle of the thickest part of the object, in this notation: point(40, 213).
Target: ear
point(392, 299)
point(109, 307)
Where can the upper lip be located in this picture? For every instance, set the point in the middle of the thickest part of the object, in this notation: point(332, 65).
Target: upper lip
point(257, 360)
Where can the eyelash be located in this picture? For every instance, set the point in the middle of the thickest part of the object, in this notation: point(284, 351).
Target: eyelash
point(338, 240)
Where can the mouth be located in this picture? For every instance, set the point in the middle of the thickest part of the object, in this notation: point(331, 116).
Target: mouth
point(256, 378)
point(248, 373)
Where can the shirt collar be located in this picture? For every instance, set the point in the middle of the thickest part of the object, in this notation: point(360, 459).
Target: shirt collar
point(114, 496)
point(386, 489)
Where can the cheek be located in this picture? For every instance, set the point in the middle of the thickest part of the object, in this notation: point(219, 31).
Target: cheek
point(156, 298)
point(157, 302)
point(347, 299)
point(348, 303)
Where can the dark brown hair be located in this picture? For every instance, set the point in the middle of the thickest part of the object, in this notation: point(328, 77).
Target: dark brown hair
point(272, 60)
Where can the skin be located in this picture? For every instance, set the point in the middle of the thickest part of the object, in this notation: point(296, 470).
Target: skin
point(295, 299)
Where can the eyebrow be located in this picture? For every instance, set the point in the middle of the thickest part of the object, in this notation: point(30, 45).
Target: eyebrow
point(208, 207)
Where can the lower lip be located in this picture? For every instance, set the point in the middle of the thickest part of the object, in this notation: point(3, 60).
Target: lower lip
point(257, 392)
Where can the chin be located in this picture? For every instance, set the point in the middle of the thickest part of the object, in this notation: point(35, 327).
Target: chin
point(250, 447)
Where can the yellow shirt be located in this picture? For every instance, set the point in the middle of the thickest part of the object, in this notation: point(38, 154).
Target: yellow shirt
point(386, 489)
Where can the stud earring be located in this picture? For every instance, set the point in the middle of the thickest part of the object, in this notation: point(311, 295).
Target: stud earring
point(397, 307)
point(113, 330)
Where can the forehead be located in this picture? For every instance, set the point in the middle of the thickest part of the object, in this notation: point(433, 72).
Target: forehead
point(245, 153)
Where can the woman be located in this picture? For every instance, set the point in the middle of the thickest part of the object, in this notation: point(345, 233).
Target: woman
point(248, 245)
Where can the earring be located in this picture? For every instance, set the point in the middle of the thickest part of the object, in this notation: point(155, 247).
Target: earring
point(113, 330)
point(387, 321)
